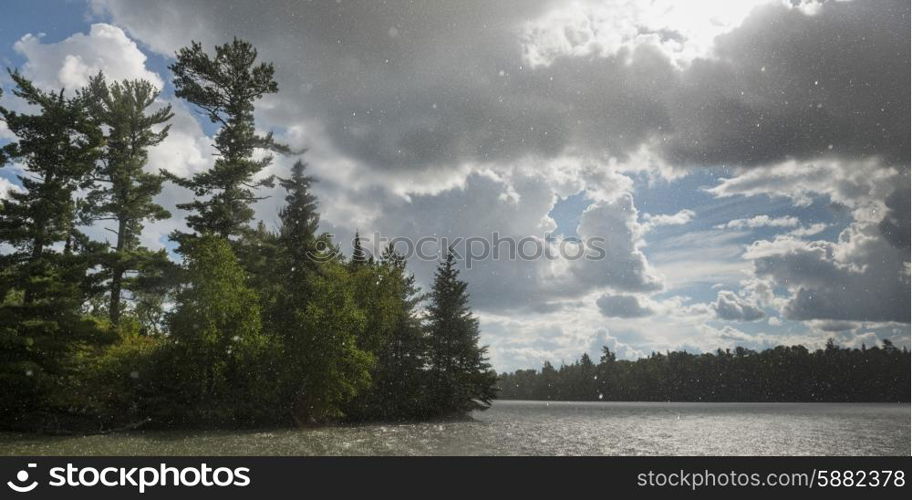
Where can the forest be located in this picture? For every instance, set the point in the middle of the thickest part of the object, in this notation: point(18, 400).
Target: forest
point(780, 374)
point(246, 326)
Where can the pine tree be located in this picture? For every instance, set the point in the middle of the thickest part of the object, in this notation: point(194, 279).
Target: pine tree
point(225, 88)
point(126, 192)
point(45, 280)
point(461, 377)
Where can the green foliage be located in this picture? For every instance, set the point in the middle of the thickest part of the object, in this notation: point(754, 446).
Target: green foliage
point(399, 390)
point(217, 339)
point(461, 378)
point(325, 366)
point(45, 278)
point(114, 381)
point(778, 374)
point(225, 87)
point(123, 192)
point(315, 314)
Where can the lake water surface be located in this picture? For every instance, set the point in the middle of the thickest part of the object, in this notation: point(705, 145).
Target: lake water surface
point(544, 428)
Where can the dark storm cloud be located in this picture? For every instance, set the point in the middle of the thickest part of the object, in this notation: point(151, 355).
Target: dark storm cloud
point(825, 288)
point(789, 85)
point(622, 306)
point(895, 225)
point(431, 84)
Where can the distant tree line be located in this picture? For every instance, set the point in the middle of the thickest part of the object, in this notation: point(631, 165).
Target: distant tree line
point(253, 326)
point(779, 374)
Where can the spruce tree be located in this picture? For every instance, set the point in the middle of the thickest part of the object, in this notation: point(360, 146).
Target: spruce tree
point(316, 315)
point(359, 256)
point(461, 377)
point(125, 193)
point(44, 281)
point(300, 222)
point(225, 87)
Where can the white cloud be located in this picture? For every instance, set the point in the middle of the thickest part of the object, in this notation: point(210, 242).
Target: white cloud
point(5, 132)
point(760, 221)
point(700, 258)
point(586, 28)
point(7, 186)
point(859, 185)
point(809, 230)
point(680, 218)
point(70, 63)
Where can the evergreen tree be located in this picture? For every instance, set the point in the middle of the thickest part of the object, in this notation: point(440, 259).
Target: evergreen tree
point(225, 88)
point(300, 222)
point(399, 389)
point(359, 256)
point(315, 316)
point(45, 281)
point(126, 193)
point(782, 373)
point(461, 378)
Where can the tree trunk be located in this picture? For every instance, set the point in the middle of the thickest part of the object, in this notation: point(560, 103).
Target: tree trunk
point(117, 272)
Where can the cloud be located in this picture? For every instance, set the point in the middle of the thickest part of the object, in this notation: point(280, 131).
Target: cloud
point(864, 274)
point(459, 120)
point(5, 132)
point(760, 221)
point(622, 306)
point(786, 84)
point(454, 85)
point(676, 219)
point(809, 230)
point(511, 206)
point(70, 63)
point(729, 306)
point(859, 278)
point(702, 257)
point(853, 184)
point(895, 225)
point(6, 186)
point(597, 29)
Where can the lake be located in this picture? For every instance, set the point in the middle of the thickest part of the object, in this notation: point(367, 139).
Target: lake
point(543, 428)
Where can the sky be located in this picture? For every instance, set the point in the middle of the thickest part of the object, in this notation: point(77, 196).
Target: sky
point(744, 165)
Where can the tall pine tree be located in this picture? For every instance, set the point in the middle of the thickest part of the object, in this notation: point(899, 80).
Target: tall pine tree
point(225, 87)
point(461, 377)
point(45, 280)
point(125, 191)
